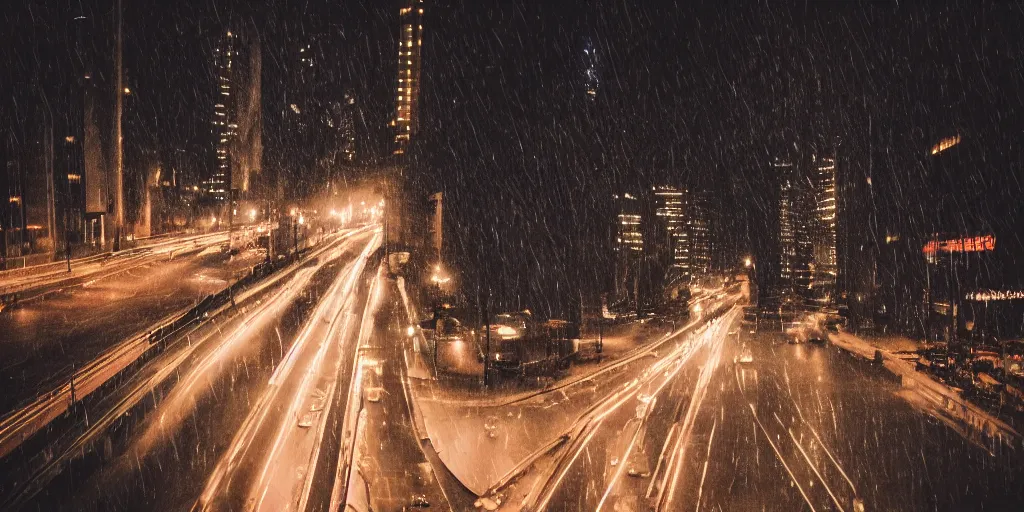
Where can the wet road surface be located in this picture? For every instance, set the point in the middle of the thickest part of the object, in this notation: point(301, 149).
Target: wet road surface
point(801, 427)
point(164, 439)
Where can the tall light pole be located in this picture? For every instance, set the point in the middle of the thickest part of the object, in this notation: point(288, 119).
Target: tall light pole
point(487, 333)
point(118, 135)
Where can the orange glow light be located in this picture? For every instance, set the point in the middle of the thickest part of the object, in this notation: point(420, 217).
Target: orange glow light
point(969, 244)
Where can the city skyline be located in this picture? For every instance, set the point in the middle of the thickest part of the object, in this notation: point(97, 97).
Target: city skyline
point(313, 255)
point(607, 121)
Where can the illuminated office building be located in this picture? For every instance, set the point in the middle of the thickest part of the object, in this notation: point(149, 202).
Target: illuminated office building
point(823, 240)
point(410, 41)
point(670, 208)
point(237, 115)
point(699, 228)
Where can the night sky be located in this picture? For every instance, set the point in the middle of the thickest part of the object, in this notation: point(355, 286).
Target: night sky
point(688, 95)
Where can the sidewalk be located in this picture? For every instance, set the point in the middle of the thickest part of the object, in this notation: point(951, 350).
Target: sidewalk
point(922, 390)
point(484, 435)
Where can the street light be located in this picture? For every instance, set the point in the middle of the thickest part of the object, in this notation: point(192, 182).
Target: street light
point(747, 262)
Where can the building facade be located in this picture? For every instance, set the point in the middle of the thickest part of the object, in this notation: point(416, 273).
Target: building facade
point(410, 42)
point(824, 235)
point(237, 116)
point(670, 204)
point(698, 223)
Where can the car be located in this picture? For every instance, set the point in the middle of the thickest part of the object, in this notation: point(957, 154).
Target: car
point(746, 356)
point(373, 394)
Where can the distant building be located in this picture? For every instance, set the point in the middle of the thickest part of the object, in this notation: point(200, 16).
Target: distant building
point(798, 264)
point(410, 42)
point(783, 266)
point(823, 228)
point(237, 115)
point(591, 73)
point(629, 237)
point(628, 244)
point(346, 114)
point(698, 221)
point(670, 204)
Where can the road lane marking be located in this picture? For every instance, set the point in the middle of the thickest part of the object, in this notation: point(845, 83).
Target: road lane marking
point(810, 463)
point(707, 458)
point(823, 447)
point(778, 454)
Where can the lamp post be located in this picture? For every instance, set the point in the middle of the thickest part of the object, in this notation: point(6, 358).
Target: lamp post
point(487, 333)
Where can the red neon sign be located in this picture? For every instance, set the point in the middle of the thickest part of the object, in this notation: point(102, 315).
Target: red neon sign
point(969, 244)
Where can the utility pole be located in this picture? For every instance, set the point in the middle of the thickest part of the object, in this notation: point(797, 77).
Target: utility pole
point(51, 192)
point(487, 333)
point(118, 135)
point(67, 222)
point(295, 234)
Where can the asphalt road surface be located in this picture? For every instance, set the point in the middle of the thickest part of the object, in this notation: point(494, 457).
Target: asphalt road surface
point(210, 423)
point(801, 427)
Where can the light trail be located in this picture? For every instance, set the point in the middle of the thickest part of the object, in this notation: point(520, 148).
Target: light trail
point(810, 463)
point(256, 419)
point(823, 447)
point(675, 466)
point(707, 458)
point(709, 334)
point(312, 372)
point(778, 454)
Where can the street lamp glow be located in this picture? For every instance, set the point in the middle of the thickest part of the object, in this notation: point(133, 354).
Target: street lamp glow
point(252, 214)
point(747, 262)
point(213, 220)
point(302, 220)
point(411, 331)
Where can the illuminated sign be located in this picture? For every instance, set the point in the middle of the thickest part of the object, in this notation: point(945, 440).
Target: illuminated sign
point(995, 295)
point(945, 144)
point(969, 244)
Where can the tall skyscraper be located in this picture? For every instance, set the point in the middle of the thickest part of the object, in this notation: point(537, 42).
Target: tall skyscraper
point(237, 115)
point(799, 263)
point(628, 245)
point(591, 71)
point(346, 113)
point(824, 235)
point(698, 220)
point(670, 207)
point(410, 41)
point(629, 239)
point(784, 269)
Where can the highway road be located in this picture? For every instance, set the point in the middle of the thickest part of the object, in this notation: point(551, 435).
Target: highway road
point(231, 417)
point(42, 339)
point(801, 427)
point(395, 467)
point(266, 409)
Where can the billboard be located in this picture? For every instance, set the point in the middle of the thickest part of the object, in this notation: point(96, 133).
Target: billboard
point(968, 244)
